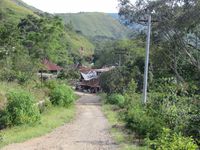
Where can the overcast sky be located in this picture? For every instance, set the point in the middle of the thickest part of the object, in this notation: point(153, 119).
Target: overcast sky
point(73, 6)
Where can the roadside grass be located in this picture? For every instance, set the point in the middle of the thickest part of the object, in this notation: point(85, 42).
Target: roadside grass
point(5, 87)
point(54, 117)
point(118, 131)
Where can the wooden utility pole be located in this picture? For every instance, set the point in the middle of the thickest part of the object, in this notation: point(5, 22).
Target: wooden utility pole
point(120, 53)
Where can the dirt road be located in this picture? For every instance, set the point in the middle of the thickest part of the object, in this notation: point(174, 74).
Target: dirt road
point(89, 131)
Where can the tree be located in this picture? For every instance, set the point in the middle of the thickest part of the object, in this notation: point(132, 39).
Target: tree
point(44, 38)
point(177, 20)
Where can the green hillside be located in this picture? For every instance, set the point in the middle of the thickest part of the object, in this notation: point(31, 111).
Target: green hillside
point(13, 11)
point(23, 4)
point(10, 11)
point(96, 24)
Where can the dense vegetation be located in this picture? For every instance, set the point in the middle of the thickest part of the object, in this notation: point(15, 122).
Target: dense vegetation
point(170, 118)
point(26, 39)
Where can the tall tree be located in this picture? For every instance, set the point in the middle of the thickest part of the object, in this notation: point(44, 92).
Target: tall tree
point(176, 32)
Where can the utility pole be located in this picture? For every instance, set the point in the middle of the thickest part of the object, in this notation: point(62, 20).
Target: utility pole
point(120, 53)
point(145, 84)
point(120, 59)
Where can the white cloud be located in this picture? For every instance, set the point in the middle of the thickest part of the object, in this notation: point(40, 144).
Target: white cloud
point(73, 6)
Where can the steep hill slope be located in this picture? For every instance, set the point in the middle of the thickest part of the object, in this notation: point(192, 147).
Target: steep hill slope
point(10, 11)
point(96, 24)
point(23, 4)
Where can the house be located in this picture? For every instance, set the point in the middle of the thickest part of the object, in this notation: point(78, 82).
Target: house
point(49, 70)
point(90, 79)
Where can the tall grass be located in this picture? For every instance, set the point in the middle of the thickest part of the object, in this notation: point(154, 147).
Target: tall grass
point(120, 136)
point(51, 119)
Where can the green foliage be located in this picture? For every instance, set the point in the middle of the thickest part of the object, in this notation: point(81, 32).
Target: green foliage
point(163, 110)
point(50, 120)
point(21, 108)
point(192, 128)
point(132, 64)
point(23, 77)
point(3, 119)
point(112, 81)
point(96, 25)
point(116, 99)
point(69, 73)
point(131, 88)
point(7, 75)
point(51, 84)
point(138, 120)
point(62, 95)
point(12, 11)
point(131, 50)
point(173, 141)
point(27, 38)
point(175, 49)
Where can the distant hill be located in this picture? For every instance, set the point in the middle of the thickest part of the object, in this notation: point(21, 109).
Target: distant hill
point(135, 26)
point(14, 10)
point(94, 24)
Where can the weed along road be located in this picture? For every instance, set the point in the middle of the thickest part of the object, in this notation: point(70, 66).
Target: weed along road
point(88, 131)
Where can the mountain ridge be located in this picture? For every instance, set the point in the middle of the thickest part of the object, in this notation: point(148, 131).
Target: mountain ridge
point(95, 24)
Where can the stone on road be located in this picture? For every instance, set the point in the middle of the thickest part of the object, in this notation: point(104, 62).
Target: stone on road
point(89, 131)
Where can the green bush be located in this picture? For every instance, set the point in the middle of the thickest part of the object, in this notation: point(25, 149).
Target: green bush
point(175, 111)
point(23, 77)
point(21, 108)
point(173, 141)
point(139, 121)
point(62, 95)
point(7, 75)
point(51, 84)
point(113, 81)
point(3, 119)
point(117, 99)
point(69, 73)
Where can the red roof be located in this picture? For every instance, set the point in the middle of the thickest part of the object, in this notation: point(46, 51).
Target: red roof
point(51, 66)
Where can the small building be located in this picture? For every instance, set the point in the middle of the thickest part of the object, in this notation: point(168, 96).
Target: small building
point(49, 70)
point(90, 79)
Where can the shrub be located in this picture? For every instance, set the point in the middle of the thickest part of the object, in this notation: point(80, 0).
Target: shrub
point(7, 75)
point(69, 73)
point(23, 77)
point(51, 84)
point(174, 110)
point(192, 128)
point(131, 88)
point(139, 121)
point(3, 119)
point(117, 99)
point(62, 95)
point(112, 81)
point(173, 141)
point(21, 108)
